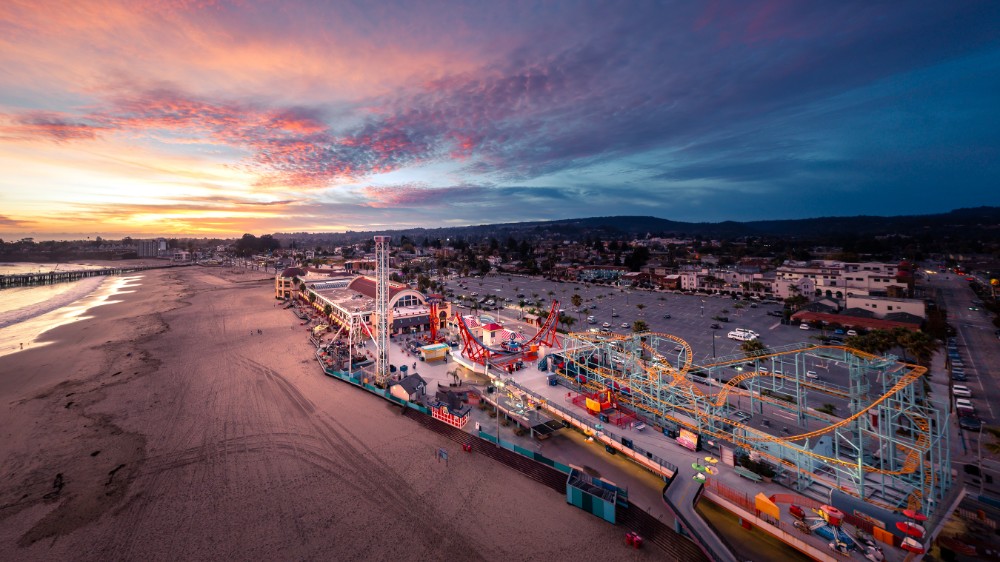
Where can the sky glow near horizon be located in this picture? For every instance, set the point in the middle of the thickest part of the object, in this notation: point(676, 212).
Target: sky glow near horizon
point(215, 118)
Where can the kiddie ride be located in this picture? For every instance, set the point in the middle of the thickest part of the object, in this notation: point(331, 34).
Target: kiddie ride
point(827, 523)
point(507, 353)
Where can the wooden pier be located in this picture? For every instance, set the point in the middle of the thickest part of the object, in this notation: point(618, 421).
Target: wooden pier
point(35, 279)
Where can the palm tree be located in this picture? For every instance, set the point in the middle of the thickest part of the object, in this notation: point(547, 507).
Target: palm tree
point(521, 304)
point(753, 347)
point(640, 306)
point(577, 300)
point(567, 321)
point(328, 310)
point(639, 326)
point(918, 344)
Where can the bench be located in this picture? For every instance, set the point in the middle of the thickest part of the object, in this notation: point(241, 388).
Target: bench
point(748, 474)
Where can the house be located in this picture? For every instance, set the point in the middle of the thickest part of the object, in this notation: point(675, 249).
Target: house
point(450, 409)
point(410, 388)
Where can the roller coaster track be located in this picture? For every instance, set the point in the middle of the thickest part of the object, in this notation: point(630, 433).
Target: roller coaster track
point(910, 465)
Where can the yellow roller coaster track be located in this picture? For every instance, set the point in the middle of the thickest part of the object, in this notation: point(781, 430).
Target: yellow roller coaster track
point(909, 466)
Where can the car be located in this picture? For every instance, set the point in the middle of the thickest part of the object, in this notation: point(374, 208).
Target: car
point(970, 423)
point(973, 308)
point(961, 390)
point(753, 305)
point(964, 403)
point(624, 324)
point(811, 375)
point(852, 332)
point(838, 332)
point(678, 347)
point(606, 325)
point(803, 326)
point(742, 335)
point(740, 415)
point(960, 377)
point(715, 327)
point(666, 317)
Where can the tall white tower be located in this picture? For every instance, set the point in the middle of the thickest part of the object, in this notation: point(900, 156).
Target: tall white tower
point(382, 310)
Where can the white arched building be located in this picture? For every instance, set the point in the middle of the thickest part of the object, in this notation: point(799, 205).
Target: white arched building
point(409, 310)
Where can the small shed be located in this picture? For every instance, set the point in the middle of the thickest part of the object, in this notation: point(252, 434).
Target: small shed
point(409, 388)
point(434, 352)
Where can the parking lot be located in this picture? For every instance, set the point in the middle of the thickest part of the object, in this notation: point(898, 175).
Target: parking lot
point(691, 316)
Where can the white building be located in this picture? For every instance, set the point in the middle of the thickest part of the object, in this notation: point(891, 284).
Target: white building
point(839, 279)
point(881, 306)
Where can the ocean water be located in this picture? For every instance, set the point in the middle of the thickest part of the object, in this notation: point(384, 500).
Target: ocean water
point(28, 312)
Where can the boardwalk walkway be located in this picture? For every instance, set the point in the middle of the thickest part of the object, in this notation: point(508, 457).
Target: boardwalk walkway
point(33, 279)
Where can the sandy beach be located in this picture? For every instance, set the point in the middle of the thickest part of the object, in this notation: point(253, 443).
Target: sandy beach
point(166, 428)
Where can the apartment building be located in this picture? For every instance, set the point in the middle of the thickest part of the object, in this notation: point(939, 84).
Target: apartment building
point(840, 279)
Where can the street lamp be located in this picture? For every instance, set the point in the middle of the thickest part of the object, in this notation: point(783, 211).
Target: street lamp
point(713, 343)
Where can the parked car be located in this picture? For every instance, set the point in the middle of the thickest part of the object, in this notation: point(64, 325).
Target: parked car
point(970, 423)
point(852, 332)
point(606, 325)
point(961, 390)
point(624, 324)
point(803, 326)
point(666, 316)
point(715, 327)
point(964, 403)
point(811, 375)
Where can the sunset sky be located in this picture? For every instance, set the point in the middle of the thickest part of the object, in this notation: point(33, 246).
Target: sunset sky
point(215, 118)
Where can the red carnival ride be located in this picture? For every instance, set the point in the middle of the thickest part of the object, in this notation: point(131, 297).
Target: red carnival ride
point(511, 351)
point(435, 323)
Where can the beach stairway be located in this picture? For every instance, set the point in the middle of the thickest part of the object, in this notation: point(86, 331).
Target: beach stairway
point(676, 546)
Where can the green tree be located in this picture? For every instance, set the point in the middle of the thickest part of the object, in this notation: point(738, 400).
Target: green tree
point(918, 344)
point(328, 310)
point(639, 326)
point(640, 306)
point(576, 299)
point(753, 348)
point(567, 321)
point(312, 297)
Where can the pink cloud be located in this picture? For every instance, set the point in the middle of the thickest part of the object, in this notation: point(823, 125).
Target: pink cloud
point(417, 195)
point(48, 125)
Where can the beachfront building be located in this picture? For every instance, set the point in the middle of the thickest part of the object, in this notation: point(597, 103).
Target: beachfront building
point(409, 311)
point(450, 409)
point(286, 283)
point(410, 388)
point(457, 418)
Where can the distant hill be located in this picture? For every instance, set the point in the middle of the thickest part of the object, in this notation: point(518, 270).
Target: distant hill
point(969, 223)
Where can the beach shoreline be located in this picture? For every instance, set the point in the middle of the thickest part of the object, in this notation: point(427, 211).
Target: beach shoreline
point(165, 427)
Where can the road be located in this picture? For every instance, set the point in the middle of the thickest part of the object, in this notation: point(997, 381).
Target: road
point(977, 343)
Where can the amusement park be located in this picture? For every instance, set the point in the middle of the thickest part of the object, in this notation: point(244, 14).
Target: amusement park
point(863, 447)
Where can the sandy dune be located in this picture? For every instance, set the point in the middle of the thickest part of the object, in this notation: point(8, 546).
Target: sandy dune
point(162, 429)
